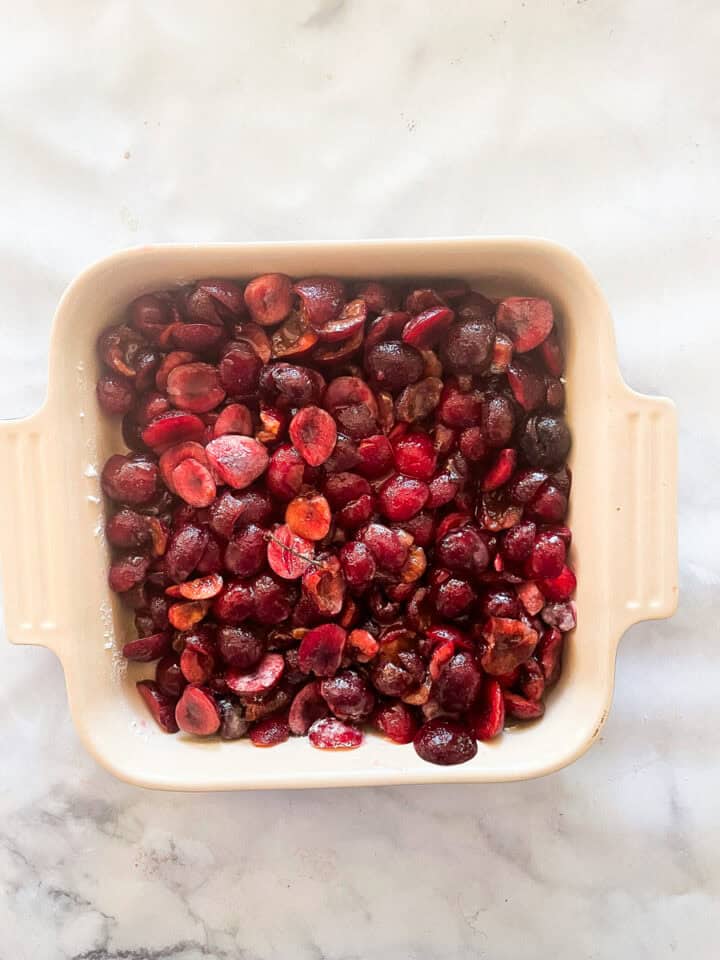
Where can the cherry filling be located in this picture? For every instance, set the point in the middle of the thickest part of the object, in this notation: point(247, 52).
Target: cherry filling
point(343, 509)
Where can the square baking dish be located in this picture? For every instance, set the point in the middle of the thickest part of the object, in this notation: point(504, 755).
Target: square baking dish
point(54, 558)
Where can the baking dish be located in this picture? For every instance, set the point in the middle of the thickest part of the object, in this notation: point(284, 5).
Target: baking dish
point(54, 558)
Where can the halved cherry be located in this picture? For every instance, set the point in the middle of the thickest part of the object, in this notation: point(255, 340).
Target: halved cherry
point(309, 516)
point(269, 732)
point(388, 326)
point(552, 354)
point(549, 654)
point(175, 455)
point(508, 680)
point(356, 421)
point(289, 555)
point(472, 443)
point(349, 614)
point(246, 551)
point(425, 298)
point(415, 455)
point(495, 512)
point(235, 603)
point(175, 359)
point(158, 536)
point(197, 712)
point(254, 335)
point(145, 649)
point(149, 315)
point(159, 704)
point(420, 695)
point(452, 289)
point(260, 679)
point(333, 734)
point(378, 296)
point(554, 393)
point(195, 336)
point(169, 677)
point(234, 418)
point(285, 472)
point(321, 299)
point(269, 298)
point(444, 741)
point(442, 489)
point(376, 456)
point(344, 487)
point(349, 391)
point(356, 513)
point(475, 306)
point(211, 558)
point(307, 707)
point(415, 565)
point(386, 411)
point(238, 461)
point(526, 320)
point(148, 406)
point(530, 597)
point(519, 708)
point(532, 680)
point(500, 470)
point(118, 348)
point(344, 456)
point(172, 427)
point(457, 409)
point(400, 498)
point(321, 650)
point(115, 394)
point(508, 643)
point(166, 338)
point(428, 328)
point(263, 705)
point(202, 588)
point(230, 510)
point(560, 587)
point(418, 400)
point(197, 661)
point(527, 385)
point(502, 354)
point(240, 368)
point(186, 547)
point(433, 365)
point(240, 647)
point(348, 323)
point(185, 615)
point(324, 584)
point(397, 722)
point(293, 338)
point(328, 354)
point(128, 530)
point(195, 387)
point(192, 481)
point(213, 301)
point(440, 656)
point(363, 645)
point(487, 717)
point(313, 433)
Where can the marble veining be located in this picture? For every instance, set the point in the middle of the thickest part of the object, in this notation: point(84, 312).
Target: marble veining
point(590, 122)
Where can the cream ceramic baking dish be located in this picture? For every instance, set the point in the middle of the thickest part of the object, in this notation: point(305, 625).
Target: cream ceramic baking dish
point(54, 558)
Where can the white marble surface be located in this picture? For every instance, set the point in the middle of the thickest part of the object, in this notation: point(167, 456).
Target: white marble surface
point(594, 123)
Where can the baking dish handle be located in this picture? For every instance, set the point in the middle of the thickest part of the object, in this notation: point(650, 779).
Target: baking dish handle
point(31, 535)
point(644, 514)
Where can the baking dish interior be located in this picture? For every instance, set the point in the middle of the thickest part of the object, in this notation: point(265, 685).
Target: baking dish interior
point(109, 715)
